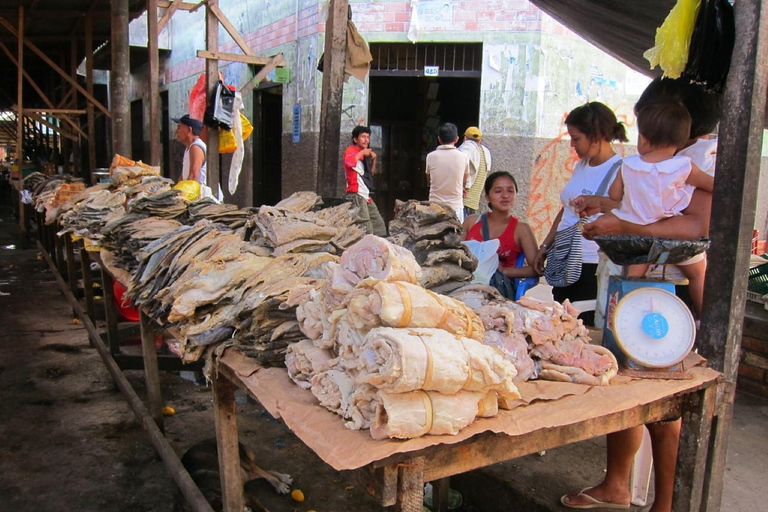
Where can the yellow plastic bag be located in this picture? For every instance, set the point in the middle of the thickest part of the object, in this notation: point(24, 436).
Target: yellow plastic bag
point(189, 189)
point(673, 39)
point(227, 142)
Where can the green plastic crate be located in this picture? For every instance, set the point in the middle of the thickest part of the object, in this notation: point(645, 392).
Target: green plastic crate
point(757, 284)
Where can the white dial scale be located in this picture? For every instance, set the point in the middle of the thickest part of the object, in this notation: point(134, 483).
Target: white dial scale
point(653, 327)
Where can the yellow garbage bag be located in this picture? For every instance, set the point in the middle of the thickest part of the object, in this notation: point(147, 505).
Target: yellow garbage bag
point(189, 189)
point(227, 142)
point(673, 39)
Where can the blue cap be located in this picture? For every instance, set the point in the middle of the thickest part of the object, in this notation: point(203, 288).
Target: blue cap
point(197, 126)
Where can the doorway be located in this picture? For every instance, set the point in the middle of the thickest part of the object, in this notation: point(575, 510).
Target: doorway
point(137, 130)
point(267, 144)
point(405, 114)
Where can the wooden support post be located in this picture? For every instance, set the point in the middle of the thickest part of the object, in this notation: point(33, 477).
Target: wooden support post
point(440, 490)
point(20, 123)
point(698, 411)
point(227, 440)
point(151, 373)
point(733, 215)
point(328, 183)
point(77, 168)
point(211, 79)
point(89, 88)
point(120, 79)
point(85, 265)
point(154, 84)
point(410, 486)
point(167, 16)
point(69, 247)
point(59, 244)
point(110, 310)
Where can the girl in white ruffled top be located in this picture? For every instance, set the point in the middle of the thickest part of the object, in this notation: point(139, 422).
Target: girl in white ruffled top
point(656, 183)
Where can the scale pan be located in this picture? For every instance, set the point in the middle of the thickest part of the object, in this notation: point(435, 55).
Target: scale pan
point(638, 250)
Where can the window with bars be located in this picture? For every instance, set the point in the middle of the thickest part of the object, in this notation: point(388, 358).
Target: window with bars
point(406, 59)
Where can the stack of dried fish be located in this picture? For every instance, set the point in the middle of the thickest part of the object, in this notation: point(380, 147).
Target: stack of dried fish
point(147, 186)
point(132, 174)
point(89, 211)
point(126, 235)
point(52, 196)
point(168, 204)
point(227, 214)
point(289, 227)
point(432, 232)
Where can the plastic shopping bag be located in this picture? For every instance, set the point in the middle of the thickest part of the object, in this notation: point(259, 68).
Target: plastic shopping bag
point(487, 259)
point(227, 142)
point(711, 45)
point(673, 38)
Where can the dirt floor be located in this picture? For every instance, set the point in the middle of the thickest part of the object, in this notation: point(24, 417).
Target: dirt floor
point(71, 443)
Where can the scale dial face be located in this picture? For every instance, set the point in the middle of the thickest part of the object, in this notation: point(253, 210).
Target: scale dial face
point(653, 327)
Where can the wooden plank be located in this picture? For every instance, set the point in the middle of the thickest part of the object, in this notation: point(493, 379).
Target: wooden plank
point(44, 57)
point(77, 164)
point(211, 80)
point(55, 112)
point(154, 83)
point(20, 120)
point(151, 374)
point(53, 127)
point(69, 247)
point(440, 490)
point(410, 486)
point(231, 30)
point(227, 441)
point(261, 75)
point(236, 57)
point(183, 6)
point(85, 265)
point(698, 410)
point(89, 87)
point(120, 77)
point(733, 213)
point(166, 15)
point(110, 309)
point(328, 183)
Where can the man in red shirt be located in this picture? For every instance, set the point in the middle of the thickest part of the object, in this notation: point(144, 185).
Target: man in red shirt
point(359, 168)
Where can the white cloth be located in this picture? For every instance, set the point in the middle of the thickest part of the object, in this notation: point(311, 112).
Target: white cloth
point(584, 181)
point(203, 178)
point(654, 191)
point(446, 167)
point(472, 149)
point(703, 154)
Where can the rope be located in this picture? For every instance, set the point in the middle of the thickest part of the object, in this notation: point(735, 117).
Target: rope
point(407, 308)
point(429, 370)
point(428, 411)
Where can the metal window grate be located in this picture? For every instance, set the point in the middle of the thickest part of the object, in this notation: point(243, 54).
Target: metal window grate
point(453, 59)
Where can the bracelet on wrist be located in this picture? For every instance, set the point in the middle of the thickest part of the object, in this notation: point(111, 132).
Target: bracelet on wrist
point(544, 246)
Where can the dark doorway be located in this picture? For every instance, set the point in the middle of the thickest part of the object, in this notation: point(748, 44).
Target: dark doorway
point(405, 113)
point(165, 135)
point(267, 145)
point(137, 130)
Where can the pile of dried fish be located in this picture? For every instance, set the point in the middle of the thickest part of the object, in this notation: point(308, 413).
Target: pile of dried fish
point(290, 227)
point(432, 233)
point(90, 210)
point(227, 214)
point(131, 175)
point(168, 204)
point(126, 235)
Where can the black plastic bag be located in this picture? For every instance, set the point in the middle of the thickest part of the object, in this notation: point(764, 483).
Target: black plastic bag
point(709, 57)
point(639, 250)
point(221, 107)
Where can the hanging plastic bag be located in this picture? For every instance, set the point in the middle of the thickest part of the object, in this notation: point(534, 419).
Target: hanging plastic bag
point(220, 110)
point(237, 157)
point(673, 39)
point(190, 189)
point(712, 42)
point(197, 98)
point(227, 142)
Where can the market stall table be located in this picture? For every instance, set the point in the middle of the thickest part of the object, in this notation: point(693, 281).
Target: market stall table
point(394, 471)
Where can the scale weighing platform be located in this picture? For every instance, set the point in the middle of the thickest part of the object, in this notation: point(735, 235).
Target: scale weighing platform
point(647, 327)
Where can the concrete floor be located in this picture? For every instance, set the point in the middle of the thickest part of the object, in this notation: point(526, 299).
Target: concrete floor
point(71, 442)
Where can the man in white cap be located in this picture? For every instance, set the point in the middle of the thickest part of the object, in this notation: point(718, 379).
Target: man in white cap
point(479, 168)
point(188, 133)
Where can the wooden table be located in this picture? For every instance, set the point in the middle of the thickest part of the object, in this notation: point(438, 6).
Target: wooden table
point(396, 471)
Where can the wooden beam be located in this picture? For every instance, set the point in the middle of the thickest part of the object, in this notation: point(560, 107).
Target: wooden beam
point(66, 97)
point(167, 15)
point(236, 57)
point(154, 82)
point(77, 164)
point(225, 414)
point(39, 53)
point(184, 6)
point(39, 119)
point(328, 183)
point(261, 75)
point(20, 122)
point(120, 77)
point(55, 112)
point(733, 215)
point(231, 30)
point(211, 80)
point(88, 28)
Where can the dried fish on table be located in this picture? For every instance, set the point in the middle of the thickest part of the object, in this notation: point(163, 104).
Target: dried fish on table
point(169, 204)
point(130, 233)
point(89, 212)
point(227, 214)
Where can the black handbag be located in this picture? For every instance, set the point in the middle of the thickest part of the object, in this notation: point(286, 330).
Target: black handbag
point(221, 107)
